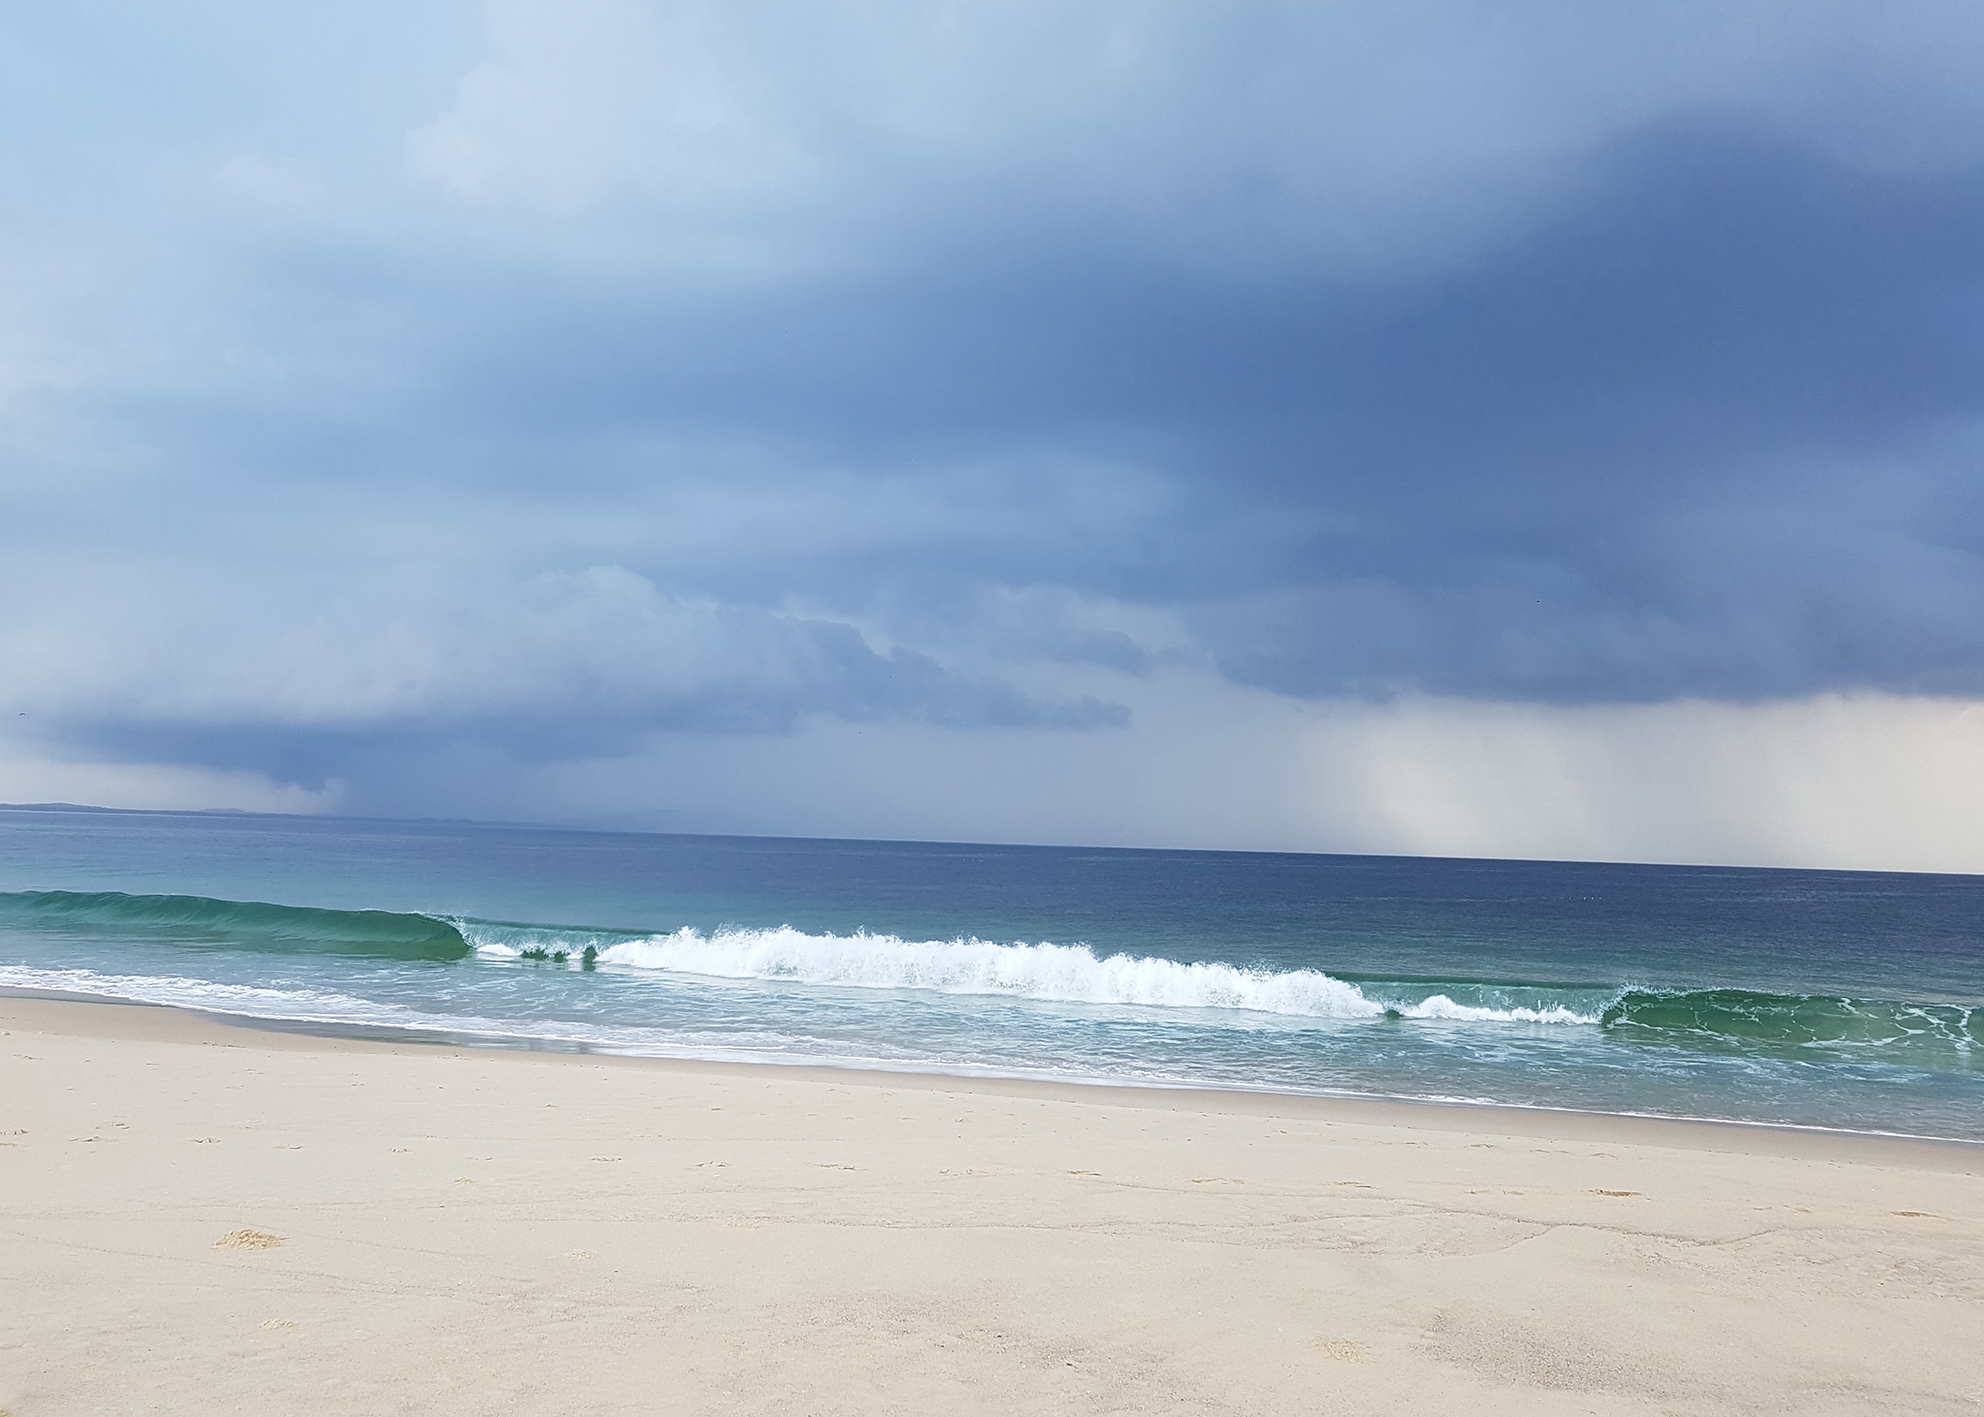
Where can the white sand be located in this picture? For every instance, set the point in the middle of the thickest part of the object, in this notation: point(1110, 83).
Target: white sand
point(203, 1219)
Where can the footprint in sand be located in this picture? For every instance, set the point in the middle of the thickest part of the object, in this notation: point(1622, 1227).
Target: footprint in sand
point(1340, 1350)
point(247, 1240)
point(278, 1323)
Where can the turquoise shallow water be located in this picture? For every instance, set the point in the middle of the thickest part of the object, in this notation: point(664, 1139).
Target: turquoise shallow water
point(1830, 999)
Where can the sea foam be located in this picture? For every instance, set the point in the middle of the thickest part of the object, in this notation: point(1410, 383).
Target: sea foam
point(1050, 973)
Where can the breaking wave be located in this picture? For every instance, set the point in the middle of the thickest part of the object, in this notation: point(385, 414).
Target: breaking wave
point(1071, 974)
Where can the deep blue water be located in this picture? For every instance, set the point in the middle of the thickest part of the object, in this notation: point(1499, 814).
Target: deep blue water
point(1837, 999)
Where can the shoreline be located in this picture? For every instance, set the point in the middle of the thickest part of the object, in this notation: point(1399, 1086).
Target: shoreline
point(214, 1218)
point(1776, 1138)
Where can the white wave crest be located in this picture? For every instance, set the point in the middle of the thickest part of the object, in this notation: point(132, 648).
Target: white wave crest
point(1051, 973)
point(1441, 1007)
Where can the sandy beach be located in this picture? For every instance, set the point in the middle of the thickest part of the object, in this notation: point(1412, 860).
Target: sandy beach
point(202, 1218)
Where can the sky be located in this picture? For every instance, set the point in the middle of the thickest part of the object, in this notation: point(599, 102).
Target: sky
point(1513, 430)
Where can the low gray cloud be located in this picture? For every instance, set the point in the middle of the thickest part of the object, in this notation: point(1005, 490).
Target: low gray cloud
point(580, 665)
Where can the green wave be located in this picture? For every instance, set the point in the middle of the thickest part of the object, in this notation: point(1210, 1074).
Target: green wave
point(1800, 1023)
point(235, 924)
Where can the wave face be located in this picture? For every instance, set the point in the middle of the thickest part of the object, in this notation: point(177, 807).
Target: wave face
point(1071, 974)
point(234, 924)
point(1741, 1018)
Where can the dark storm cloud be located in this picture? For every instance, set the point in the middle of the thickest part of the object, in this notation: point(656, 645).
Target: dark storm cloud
point(1682, 438)
point(1776, 294)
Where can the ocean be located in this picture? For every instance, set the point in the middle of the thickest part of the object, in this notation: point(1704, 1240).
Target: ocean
point(1843, 1000)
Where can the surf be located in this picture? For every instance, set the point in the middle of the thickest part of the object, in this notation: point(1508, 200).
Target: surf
point(1727, 1020)
point(1043, 972)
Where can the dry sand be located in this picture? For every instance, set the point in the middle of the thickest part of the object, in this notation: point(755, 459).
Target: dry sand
point(203, 1219)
